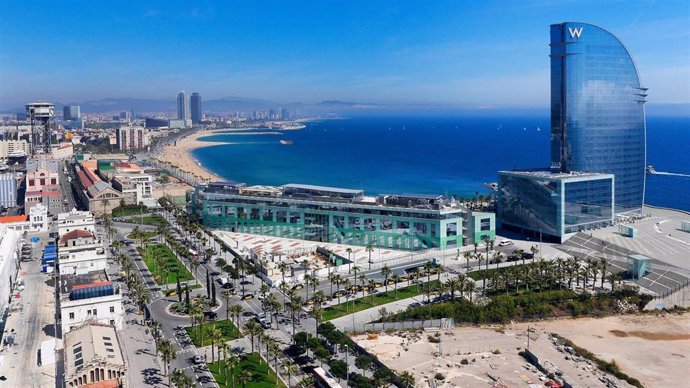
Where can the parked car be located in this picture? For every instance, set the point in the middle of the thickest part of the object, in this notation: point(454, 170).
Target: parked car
point(505, 243)
point(247, 296)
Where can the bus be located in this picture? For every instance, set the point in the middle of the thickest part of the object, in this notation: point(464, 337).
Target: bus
point(323, 379)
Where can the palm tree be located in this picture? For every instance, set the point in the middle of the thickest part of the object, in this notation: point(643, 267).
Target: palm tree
point(236, 310)
point(369, 249)
point(349, 261)
point(407, 379)
point(467, 256)
point(227, 295)
point(180, 379)
point(104, 203)
point(216, 337)
point(314, 282)
point(245, 377)
point(396, 279)
point(307, 382)
point(289, 368)
point(428, 267)
point(603, 267)
point(232, 362)
point(386, 270)
point(168, 354)
point(470, 288)
point(372, 289)
point(452, 285)
point(274, 350)
point(331, 279)
point(283, 267)
point(253, 329)
point(355, 269)
point(338, 280)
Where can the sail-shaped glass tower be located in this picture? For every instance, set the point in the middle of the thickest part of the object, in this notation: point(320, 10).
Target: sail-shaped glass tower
point(597, 110)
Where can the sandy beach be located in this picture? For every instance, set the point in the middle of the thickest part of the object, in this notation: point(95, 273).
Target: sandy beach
point(180, 154)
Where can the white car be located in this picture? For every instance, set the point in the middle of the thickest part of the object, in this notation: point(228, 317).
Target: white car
point(505, 243)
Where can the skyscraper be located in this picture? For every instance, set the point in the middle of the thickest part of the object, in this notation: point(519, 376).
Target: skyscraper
point(71, 112)
point(597, 110)
point(196, 108)
point(183, 112)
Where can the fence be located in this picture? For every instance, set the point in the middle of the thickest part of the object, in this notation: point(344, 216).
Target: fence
point(680, 296)
point(443, 323)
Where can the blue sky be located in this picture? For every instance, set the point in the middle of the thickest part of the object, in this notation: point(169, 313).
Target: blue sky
point(451, 53)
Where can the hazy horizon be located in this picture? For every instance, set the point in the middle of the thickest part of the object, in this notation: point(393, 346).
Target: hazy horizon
point(457, 55)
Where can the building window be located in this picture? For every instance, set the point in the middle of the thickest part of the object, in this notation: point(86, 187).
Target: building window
point(95, 312)
point(485, 224)
point(112, 309)
point(71, 315)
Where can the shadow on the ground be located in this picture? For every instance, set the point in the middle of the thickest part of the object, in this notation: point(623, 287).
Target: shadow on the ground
point(151, 376)
point(49, 330)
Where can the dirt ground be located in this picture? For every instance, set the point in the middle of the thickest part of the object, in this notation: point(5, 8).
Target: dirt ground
point(653, 349)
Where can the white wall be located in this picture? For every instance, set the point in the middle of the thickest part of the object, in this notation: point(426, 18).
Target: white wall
point(10, 243)
point(83, 308)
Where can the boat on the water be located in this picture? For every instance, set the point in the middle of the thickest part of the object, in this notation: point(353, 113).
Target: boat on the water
point(286, 142)
point(651, 170)
point(491, 186)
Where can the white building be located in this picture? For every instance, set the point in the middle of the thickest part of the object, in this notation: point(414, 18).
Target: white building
point(89, 297)
point(93, 357)
point(13, 147)
point(36, 221)
point(136, 188)
point(80, 252)
point(10, 250)
point(76, 219)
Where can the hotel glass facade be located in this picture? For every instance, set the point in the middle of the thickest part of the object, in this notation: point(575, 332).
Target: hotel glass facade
point(555, 204)
point(343, 216)
point(597, 110)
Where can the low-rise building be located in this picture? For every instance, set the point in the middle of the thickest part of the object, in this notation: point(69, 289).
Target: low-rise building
point(135, 188)
point(36, 221)
point(95, 194)
point(81, 252)
point(10, 246)
point(8, 189)
point(13, 147)
point(89, 297)
point(76, 220)
point(93, 358)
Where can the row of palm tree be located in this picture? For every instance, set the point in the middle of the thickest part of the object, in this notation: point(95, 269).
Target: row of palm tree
point(273, 351)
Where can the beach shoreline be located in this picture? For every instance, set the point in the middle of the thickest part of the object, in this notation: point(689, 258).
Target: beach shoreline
point(180, 154)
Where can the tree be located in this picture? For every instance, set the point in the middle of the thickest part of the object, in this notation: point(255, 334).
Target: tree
point(232, 362)
point(307, 382)
point(253, 329)
point(386, 271)
point(371, 289)
point(369, 249)
point(452, 285)
point(396, 279)
point(407, 379)
point(180, 379)
point(349, 260)
point(363, 363)
point(355, 269)
point(245, 377)
point(216, 338)
point(338, 368)
point(236, 310)
point(227, 295)
point(168, 354)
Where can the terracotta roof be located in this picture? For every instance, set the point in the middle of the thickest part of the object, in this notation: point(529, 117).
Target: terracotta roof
point(13, 219)
point(77, 233)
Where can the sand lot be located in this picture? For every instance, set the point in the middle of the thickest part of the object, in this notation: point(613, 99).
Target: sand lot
point(653, 349)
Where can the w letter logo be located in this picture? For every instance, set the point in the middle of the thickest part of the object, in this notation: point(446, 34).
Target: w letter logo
point(575, 32)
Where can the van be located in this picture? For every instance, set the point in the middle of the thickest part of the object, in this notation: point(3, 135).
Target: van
point(505, 243)
point(222, 280)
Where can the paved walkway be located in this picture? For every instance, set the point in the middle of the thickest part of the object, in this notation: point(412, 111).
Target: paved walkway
point(32, 320)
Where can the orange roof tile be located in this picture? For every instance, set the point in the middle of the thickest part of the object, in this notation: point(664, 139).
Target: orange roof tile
point(13, 219)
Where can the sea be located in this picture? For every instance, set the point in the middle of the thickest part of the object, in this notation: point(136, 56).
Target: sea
point(425, 155)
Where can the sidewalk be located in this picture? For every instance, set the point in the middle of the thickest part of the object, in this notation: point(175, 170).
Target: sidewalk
point(143, 367)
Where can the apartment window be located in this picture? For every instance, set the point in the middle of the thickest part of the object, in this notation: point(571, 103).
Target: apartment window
point(95, 312)
point(485, 224)
point(71, 315)
point(112, 309)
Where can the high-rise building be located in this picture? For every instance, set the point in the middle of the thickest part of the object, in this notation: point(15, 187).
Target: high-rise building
point(196, 108)
point(8, 190)
point(71, 112)
point(597, 110)
point(131, 138)
point(183, 111)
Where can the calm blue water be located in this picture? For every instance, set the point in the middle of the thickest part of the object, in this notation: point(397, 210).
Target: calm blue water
point(425, 155)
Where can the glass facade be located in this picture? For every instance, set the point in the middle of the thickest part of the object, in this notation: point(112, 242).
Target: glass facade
point(597, 110)
point(337, 217)
point(554, 203)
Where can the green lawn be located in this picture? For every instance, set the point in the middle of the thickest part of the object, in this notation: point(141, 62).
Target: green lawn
point(263, 377)
point(226, 327)
point(167, 259)
point(154, 220)
point(149, 235)
point(129, 211)
point(380, 298)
